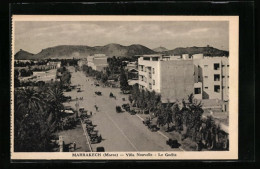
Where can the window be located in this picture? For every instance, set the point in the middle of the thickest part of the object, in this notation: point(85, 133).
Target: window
point(146, 58)
point(150, 85)
point(206, 87)
point(155, 59)
point(217, 88)
point(197, 90)
point(205, 77)
point(153, 82)
point(223, 77)
point(216, 66)
point(141, 68)
point(198, 76)
point(227, 65)
point(216, 77)
point(153, 70)
point(205, 65)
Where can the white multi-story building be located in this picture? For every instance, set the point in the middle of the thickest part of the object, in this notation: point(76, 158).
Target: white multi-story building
point(97, 62)
point(175, 77)
point(213, 73)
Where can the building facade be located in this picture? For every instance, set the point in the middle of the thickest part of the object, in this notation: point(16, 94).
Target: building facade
point(54, 65)
point(82, 62)
point(97, 62)
point(213, 73)
point(173, 79)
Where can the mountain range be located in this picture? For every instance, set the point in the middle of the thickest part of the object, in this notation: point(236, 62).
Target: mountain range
point(160, 49)
point(80, 51)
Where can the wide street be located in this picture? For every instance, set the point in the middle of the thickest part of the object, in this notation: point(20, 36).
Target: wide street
point(120, 131)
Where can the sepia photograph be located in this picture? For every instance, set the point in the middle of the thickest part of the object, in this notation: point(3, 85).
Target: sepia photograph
point(124, 87)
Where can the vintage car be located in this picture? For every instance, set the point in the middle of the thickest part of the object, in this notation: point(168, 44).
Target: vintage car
point(90, 129)
point(153, 125)
point(126, 107)
point(173, 143)
point(118, 109)
point(88, 122)
point(94, 138)
point(146, 121)
point(68, 90)
point(132, 112)
point(100, 149)
point(98, 93)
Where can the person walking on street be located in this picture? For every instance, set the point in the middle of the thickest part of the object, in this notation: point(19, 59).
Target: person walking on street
point(74, 145)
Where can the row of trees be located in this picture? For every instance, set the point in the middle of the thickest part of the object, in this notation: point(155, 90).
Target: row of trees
point(29, 63)
point(23, 72)
point(97, 74)
point(36, 114)
point(184, 117)
point(64, 62)
point(114, 71)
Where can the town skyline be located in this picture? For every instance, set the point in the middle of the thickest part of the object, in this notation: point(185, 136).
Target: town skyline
point(150, 34)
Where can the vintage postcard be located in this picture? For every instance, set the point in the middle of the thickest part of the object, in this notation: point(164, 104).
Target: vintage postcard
point(124, 87)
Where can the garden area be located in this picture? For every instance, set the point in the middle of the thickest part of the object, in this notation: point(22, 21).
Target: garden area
point(183, 119)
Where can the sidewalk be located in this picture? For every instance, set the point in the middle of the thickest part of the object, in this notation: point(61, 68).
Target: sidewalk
point(77, 135)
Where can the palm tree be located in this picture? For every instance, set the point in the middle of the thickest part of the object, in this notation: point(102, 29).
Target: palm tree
point(54, 98)
point(29, 101)
point(30, 129)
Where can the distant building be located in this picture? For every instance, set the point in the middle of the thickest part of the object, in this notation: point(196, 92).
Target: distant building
point(131, 65)
point(82, 62)
point(54, 65)
point(97, 62)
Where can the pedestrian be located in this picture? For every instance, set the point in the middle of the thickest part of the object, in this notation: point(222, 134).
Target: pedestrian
point(74, 145)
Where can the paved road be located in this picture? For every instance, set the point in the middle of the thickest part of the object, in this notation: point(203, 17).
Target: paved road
point(120, 131)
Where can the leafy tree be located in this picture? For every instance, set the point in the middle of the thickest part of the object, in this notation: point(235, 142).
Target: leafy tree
point(123, 81)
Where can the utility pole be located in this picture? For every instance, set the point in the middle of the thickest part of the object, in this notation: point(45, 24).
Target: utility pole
point(77, 107)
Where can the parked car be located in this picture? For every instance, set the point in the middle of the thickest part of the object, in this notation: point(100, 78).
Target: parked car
point(126, 107)
point(118, 109)
point(173, 143)
point(146, 121)
point(98, 93)
point(100, 149)
point(94, 138)
point(68, 90)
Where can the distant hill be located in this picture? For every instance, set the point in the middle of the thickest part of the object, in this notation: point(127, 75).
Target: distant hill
point(77, 51)
point(207, 51)
point(160, 49)
point(23, 55)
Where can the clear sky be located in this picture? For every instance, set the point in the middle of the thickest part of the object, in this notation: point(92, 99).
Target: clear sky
point(33, 36)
